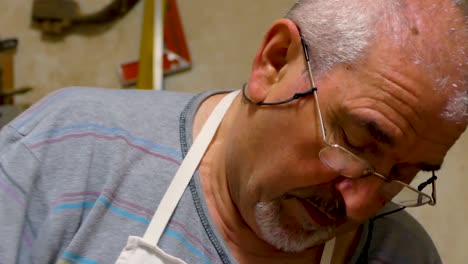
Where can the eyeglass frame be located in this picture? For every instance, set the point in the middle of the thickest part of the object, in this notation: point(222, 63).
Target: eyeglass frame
point(314, 91)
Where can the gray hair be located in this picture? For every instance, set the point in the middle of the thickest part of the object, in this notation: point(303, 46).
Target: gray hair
point(340, 32)
point(337, 31)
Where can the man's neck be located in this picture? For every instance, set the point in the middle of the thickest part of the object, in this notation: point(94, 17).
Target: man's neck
point(242, 241)
point(244, 244)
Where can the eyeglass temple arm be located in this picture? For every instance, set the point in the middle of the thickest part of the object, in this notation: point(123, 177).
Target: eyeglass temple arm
point(294, 97)
point(430, 181)
point(314, 88)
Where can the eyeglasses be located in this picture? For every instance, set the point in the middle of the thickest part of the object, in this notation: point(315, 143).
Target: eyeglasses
point(349, 165)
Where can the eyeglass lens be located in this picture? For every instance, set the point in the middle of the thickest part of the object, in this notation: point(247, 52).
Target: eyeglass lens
point(351, 166)
point(343, 162)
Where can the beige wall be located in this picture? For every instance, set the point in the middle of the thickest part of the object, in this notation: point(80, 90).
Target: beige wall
point(223, 36)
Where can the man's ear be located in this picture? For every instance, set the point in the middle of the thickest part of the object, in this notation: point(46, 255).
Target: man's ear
point(280, 47)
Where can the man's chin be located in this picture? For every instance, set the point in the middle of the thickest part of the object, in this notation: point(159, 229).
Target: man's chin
point(299, 242)
point(289, 237)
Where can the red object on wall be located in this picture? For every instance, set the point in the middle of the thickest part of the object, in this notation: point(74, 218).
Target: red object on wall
point(176, 53)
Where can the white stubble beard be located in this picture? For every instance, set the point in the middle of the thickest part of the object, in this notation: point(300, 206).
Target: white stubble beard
point(267, 216)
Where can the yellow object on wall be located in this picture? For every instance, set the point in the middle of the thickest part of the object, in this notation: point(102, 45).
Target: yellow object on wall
point(150, 72)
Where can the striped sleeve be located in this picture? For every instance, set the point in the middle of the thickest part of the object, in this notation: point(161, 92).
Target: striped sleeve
point(18, 170)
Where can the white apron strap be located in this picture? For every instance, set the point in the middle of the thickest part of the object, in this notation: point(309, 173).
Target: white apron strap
point(184, 173)
point(328, 252)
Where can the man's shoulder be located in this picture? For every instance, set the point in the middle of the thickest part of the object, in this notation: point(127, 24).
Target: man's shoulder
point(400, 225)
point(400, 238)
point(98, 105)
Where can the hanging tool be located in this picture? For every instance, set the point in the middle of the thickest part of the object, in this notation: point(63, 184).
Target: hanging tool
point(56, 16)
point(18, 91)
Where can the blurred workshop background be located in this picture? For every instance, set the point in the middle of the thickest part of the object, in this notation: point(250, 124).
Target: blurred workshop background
point(222, 37)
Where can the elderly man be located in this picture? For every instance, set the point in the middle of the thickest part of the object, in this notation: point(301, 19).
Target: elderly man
point(310, 163)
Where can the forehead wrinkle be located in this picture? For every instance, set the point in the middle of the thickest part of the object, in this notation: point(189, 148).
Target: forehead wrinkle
point(396, 81)
point(407, 103)
point(392, 94)
point(403, 83)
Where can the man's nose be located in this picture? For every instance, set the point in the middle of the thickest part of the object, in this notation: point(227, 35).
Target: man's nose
point(362, 196)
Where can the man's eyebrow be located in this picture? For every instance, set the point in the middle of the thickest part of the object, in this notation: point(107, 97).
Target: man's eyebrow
point(428, 167)
point(379, 135)
point(377, 132)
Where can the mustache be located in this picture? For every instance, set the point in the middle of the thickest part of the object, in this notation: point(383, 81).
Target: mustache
point(324, 197)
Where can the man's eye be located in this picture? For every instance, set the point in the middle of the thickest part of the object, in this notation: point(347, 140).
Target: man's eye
point(403, 172)
point(349, 143)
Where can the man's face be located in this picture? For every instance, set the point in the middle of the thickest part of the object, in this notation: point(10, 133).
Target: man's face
point(284, 191)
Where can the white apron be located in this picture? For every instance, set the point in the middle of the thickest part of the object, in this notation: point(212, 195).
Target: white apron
point(145, 250)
